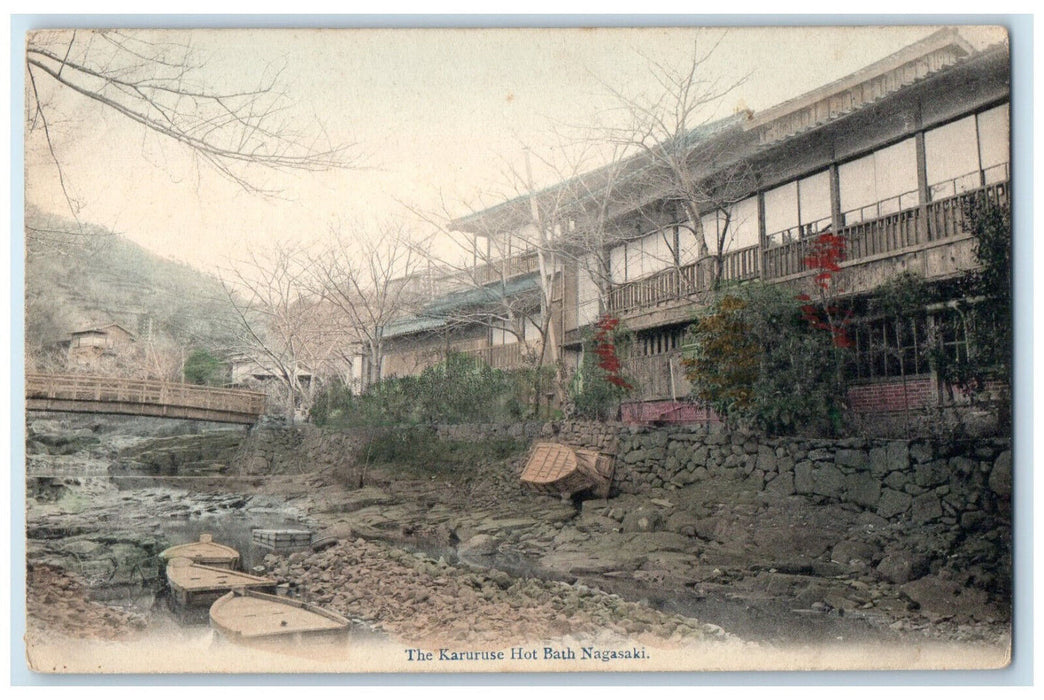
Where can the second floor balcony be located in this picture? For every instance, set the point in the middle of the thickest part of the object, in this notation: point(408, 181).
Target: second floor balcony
point(783, 257)
point(506, 268)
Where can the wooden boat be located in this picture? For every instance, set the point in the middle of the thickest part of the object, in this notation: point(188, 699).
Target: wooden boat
point(206, 551)
point(246, 615)
point(194, 586)
point(565, 470)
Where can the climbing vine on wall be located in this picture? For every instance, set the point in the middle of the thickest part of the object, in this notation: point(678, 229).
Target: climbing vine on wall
point(984, 312)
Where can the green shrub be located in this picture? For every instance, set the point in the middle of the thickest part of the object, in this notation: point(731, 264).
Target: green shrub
point(203, 367)
point(461, 389)
point(417, 450)
point(753, 357)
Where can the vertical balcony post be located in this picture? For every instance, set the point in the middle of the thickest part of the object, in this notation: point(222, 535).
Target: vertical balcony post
point(836, 221)
point(923, 229)
point(762, 236)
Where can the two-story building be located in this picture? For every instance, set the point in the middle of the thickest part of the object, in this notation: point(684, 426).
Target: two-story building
point(884, 158)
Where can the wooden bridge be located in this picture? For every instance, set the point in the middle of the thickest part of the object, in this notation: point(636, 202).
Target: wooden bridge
point(82, 393)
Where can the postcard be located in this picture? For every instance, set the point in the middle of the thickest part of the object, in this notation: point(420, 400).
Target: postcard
point(518, 349)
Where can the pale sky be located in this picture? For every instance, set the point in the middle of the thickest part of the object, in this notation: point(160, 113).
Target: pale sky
point(439, 114)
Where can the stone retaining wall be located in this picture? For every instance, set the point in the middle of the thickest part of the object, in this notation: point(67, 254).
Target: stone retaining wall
point(602, 437)
point(920, 480)
point(486, 431)
point(270, 450)
point(924, 481)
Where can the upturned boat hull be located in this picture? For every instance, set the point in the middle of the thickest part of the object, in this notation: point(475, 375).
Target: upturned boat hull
point(206, 551)
point(564, 470)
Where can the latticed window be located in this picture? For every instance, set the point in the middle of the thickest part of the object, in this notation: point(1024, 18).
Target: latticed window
point(890, 347)
point(954, 332)
point(659, 341)
point(896, 347)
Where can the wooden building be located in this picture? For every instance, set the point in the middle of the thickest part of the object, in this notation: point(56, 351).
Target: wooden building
point(884, 158)
point(98, 349)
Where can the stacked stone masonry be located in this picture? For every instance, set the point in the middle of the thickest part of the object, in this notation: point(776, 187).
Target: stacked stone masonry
point(601, 437)
point(920, 480)
point(952, 483)
point(933, 517)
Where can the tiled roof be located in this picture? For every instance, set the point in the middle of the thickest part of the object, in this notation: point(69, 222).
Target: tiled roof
point(436, 314)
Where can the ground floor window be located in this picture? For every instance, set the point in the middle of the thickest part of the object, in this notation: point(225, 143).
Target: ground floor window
point(657, 341)
point(889, 347)
point(896, 347)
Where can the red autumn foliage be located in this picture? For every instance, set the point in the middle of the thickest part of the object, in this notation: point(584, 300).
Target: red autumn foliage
point(606, 351)
point(826, 256)
point(828, 251)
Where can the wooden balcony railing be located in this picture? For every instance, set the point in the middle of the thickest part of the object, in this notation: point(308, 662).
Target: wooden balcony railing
point(510, 356)
point(507, 268)
point(947, 218)
point(681, 282)
point(889, 233)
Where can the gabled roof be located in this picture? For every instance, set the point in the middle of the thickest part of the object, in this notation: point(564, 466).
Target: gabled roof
point(101, 330)
point(865, 86)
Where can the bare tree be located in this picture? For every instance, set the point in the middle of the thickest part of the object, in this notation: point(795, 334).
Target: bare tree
point(275, 318)
point(585, 208)
point(159, 82)
point(331, 346)
point(369, 278)
point(676, 154)
point(508, 260)
point(479, 257)
point(159, 358)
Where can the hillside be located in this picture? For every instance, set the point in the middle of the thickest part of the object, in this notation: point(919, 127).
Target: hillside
point(75, 280)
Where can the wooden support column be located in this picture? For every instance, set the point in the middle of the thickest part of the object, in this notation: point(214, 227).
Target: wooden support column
point(923, 229)
point(762, 236)
point(836, 222)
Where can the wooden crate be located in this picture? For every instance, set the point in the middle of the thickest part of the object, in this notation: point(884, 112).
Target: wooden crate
point(282, 539)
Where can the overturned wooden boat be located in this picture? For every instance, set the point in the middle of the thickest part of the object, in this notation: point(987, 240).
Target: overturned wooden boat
point(565, 470)
point(246, 615)
point(194, 586)
point(206, 551)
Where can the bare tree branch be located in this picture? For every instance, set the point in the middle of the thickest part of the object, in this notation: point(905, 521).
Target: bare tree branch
point(680, 154)
point(162, 87)
point(283, 330)
point(370, 280)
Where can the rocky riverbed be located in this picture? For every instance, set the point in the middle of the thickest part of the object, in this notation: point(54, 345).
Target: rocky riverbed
point(795, 573)
point(471, 558)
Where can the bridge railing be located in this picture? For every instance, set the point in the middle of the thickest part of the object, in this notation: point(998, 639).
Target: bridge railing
point(80, 387)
